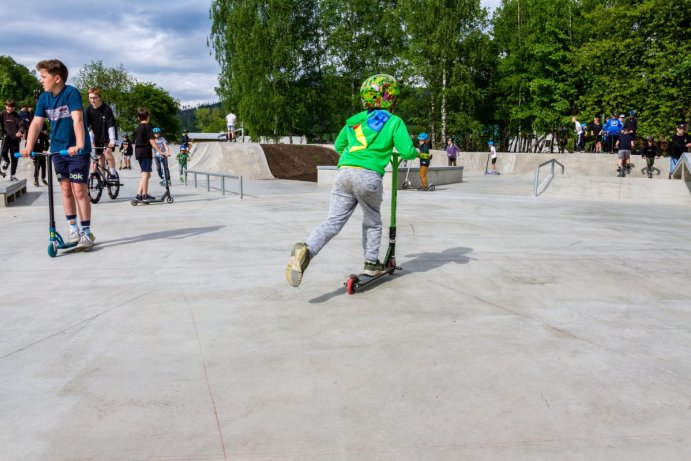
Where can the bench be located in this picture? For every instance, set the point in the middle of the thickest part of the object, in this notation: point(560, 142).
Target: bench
point(10, 190)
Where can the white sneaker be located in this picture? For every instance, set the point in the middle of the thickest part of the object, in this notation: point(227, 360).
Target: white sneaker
point(73, 238)
point(85, 241)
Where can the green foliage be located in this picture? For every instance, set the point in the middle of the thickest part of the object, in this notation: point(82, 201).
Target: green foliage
point(17, 82)
point(644, 63)
point(161, 106)
point(125, 95)
point(536, 87)
point(210, 120)
point(115, 84)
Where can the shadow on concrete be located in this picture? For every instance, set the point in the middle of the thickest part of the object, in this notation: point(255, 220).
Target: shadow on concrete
point(424, 262)
point(656, 171)
point(421, 262)
point(172, 234)
point(26, 199)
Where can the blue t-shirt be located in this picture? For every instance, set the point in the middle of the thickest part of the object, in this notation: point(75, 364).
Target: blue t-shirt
point(58, 110)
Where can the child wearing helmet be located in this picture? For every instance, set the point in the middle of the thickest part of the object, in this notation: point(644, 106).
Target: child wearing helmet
point(182, 158)
point(649, 152)
point(493, 151)
point(365, 145)
point(162, 159)
point(425, 158)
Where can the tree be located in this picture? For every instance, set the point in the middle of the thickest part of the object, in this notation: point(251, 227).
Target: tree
point(115, 84)
point(161, 106)
point(17, 82)
point(210, 120)
point(261, 47)
point(438, 55)
point(362, 38)
point(536, 88)
point(644, 63)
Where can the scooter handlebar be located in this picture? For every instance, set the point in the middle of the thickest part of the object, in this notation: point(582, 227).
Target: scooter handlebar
point(61, 152)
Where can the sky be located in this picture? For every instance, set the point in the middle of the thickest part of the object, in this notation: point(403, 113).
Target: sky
point(158, 41)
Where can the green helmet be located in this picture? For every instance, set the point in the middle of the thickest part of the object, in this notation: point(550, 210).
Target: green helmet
point(379, 91)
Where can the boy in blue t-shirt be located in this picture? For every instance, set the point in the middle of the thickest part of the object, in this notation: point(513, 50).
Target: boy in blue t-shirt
point(62, 105)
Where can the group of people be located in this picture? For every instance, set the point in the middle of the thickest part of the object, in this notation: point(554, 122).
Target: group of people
point(80, 132)
point(618, 134)
point(604, 136)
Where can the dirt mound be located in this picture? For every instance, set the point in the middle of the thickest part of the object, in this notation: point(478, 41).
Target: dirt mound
point(297, 161)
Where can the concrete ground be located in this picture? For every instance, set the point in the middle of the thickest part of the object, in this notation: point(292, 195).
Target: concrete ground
point(519, 328)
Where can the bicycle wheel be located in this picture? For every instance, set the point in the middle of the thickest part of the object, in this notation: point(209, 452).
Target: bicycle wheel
point(114, 186)
point(95, 187)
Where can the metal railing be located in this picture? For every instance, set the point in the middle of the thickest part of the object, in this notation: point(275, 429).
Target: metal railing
point(223, 177)
point(537, 175)
point(683, 169)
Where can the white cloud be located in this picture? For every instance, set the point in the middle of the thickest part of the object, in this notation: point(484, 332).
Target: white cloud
point(156, 41)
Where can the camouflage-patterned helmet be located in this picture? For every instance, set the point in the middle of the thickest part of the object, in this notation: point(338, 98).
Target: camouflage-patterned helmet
point(379, 91)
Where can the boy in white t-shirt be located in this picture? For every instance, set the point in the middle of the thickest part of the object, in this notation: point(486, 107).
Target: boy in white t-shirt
point(231, 118)
point(494, 156)
point(580, 135)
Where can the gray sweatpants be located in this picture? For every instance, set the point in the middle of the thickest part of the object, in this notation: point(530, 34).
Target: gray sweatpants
point(352, 186)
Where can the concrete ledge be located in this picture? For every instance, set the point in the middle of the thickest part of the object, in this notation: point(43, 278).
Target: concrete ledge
point(10, 190)
point(435, 175)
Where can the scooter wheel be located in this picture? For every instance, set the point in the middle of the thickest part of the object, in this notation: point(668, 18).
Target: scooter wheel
point(134, 202)
point(169, 200)
point(406, 185)
point(350, 285)
point(431, 187)
point(52, 249)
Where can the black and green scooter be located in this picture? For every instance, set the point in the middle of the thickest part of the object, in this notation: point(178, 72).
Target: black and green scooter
point(360, 281)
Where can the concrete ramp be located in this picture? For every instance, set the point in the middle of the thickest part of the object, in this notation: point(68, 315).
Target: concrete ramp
point(245, 159)
point(582, 164)
point(628, 189)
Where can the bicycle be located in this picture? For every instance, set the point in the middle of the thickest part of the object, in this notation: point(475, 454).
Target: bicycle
point(99, 180)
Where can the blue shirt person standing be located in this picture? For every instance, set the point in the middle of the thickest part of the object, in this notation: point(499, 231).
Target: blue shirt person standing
point(62, 105)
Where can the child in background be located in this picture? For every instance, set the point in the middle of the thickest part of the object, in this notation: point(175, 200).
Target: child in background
point(649, 152)
point(162, 160)
point(144, 145)
point(126, 149)
point(493, 152)
point(425, 159)
point(182, 158)
point(451, 151)
point(365, 145)
point(624, 144)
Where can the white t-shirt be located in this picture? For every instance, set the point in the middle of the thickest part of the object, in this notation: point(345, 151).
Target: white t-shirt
point(230, 119)
point(579, 127)
point(494, 151)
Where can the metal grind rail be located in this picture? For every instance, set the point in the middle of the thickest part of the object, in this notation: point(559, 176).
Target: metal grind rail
point(222, 176)
point(551, 176)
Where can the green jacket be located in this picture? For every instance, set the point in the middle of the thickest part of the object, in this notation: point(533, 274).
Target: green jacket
point(368, 138)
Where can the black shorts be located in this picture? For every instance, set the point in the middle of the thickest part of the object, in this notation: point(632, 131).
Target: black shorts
point(73, 169)
point(145, 164)
point(494, 160)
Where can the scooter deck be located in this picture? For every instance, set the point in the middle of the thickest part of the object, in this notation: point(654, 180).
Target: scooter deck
point(165, 198)
point(77, 249)
point(357, 282)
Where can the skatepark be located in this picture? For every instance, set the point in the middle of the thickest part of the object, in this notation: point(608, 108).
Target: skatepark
point(520, 327)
